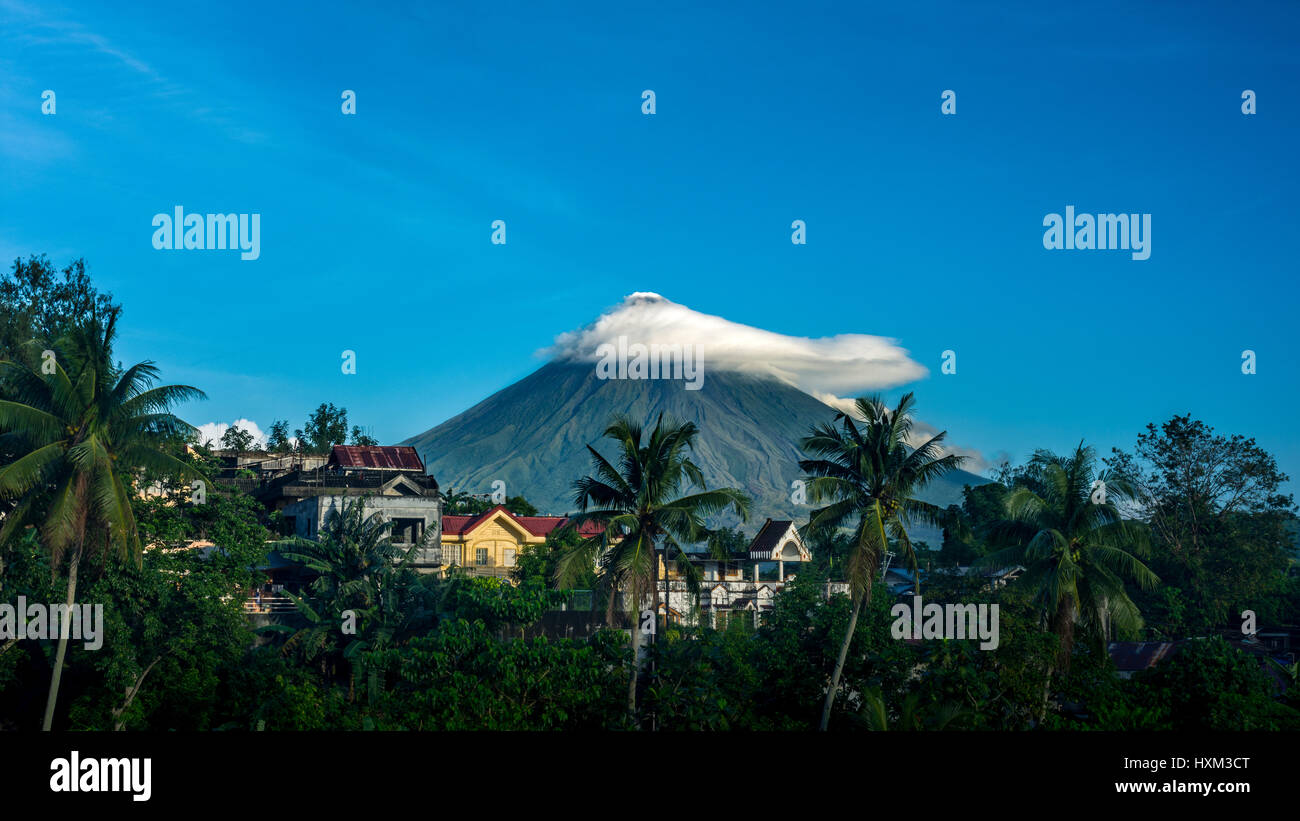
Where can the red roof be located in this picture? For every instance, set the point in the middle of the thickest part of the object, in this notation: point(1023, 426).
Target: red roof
point(386, 457)
point(536, 525)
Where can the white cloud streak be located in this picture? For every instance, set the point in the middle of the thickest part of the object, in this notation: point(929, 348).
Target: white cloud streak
point(845, 363)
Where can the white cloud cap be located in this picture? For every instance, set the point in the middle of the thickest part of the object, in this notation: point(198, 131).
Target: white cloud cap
point(841, 364)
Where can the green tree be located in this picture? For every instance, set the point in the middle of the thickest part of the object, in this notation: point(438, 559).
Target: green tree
point(277, 441)
point(1211, 685)
point(360, 437)
point(1222, 528)
point(237, 439)
point(84, 430)
point(327, 426)
point(537, 564)
point(520, 506)
point(495, 602)
point(643, 520)
point(460, 677)
point(727, 544)
point(454, 501)
point(361, 572)
point(1076, 547)
point(872, 475)
point(798, 645)
point(37, 306)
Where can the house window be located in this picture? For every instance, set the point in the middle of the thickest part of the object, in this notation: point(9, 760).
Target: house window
point(407, 531)
point(451, 554)
point(480, 556)
point(508, 557)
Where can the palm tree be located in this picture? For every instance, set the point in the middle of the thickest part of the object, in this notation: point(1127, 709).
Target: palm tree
point(85, 431)
point(870, 474)
point(644, 522)
point(359, 569)
point(1075, 547)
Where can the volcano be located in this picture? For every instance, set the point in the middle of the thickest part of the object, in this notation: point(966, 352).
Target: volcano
point(533, 435)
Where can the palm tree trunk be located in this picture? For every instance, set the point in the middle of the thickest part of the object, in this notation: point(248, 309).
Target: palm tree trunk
point(853, 622)
point(839, 663)
point(1047, 691)
point(654, 637)
point(1063, 627)
point(636, 662)
point(62, 651)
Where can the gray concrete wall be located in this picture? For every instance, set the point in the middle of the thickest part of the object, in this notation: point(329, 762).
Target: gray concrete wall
point(311, 512)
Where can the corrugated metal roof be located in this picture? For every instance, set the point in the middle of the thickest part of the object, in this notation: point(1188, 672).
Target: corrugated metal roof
point(385, 457)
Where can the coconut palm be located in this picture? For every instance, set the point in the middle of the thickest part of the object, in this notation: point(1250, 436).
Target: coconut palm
point(868, 477)
point(84, 431)
point(1064, 527)
point(643, 521)
point(359, 570)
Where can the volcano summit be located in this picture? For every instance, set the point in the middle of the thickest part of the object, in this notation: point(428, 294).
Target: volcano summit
point(752, 410)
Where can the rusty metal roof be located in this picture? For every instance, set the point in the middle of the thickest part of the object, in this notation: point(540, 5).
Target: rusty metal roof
point(386, 457)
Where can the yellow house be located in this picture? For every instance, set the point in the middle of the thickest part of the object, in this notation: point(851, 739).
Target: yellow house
point(489, 543)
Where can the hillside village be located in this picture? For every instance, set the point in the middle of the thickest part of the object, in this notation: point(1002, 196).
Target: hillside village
point(391, 481)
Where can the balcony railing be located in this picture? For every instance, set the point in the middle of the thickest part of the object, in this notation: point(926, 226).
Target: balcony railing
point(269, 606)
point(495, 571)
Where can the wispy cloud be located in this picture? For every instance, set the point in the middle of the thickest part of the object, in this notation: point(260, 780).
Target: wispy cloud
point(30, 30)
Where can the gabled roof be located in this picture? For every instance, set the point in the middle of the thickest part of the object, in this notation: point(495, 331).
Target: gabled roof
point(401, 485)
point(381, 457)
point(772, 536)
point(535, 525)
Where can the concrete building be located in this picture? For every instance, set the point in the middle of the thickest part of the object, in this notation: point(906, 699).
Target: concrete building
point(745, 585)
point(389, 480)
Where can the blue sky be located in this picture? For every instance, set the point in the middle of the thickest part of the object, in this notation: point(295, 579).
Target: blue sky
point(921, 227)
